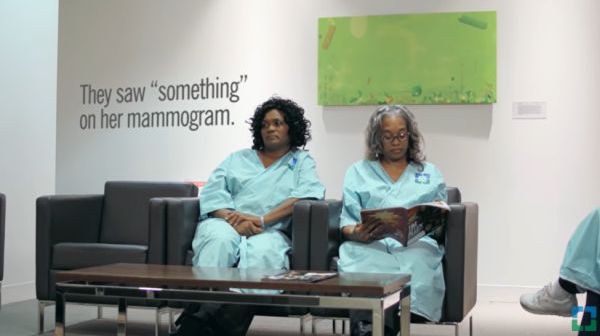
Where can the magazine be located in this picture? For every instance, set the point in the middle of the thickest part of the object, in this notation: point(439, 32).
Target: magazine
point(408, 225)
point(303, 276)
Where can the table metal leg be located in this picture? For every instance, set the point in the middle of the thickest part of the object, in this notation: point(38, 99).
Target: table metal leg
point(157, 321)
point(59, 327)
point(122, 318)
point(41, 309)
point(378, 319)
point(405, 315)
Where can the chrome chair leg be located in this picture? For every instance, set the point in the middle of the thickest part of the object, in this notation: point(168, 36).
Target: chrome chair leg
point(59, 321)
point(171, 320)
point(303, 320)
point(122, 318)
point(471, 325)
point(41, 309)
point(157, 319)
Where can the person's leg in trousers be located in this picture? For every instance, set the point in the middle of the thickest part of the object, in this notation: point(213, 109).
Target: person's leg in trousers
point(569, 286)
point(196, 320)
point(233, 320)
point(215, 319)
point(592, 300)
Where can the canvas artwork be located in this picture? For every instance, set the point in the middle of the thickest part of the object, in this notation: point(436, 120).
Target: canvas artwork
point(439, 58)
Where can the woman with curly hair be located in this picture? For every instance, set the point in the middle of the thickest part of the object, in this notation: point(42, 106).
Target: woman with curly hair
point(246, 205)
point(394, 173)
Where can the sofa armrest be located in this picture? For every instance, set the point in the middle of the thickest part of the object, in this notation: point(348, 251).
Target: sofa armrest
point(325, 234)
point(157, 234)
point(460, 269)
point(301, 235)
point(182, 216)
point(63, 218)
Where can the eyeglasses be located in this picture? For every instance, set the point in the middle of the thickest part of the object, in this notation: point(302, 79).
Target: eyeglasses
point(400, 136)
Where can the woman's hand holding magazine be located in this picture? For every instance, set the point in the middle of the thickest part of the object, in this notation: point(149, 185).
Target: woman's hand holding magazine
point(405, 225)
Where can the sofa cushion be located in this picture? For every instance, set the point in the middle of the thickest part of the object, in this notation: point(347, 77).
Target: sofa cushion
point(189, 256)
point(68, 256)
point(125, 215)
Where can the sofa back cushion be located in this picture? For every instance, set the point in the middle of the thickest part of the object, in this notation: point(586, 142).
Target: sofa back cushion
point(453, 195)
point(125, 215)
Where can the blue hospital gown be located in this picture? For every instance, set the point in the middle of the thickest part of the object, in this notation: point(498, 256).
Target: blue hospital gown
point(581, 263)
point(242, 183)
point(367, 185)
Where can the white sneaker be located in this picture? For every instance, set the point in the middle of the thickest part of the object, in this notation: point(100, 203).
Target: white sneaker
point(550, 300)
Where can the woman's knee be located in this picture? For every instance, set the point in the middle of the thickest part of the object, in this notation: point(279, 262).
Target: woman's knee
point(216, 230)
point(268, 246)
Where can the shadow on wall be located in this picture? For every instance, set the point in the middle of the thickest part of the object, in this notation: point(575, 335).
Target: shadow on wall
point(471, 121)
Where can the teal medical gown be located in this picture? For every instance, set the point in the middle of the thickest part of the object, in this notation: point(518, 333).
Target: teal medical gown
point(242, 183)
point(367, 185)
point(581, 263)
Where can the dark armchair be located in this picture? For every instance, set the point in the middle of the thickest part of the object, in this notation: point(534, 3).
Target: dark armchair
point(2, 218)
point(89, 230)
point(182, 216)
point(460, 262)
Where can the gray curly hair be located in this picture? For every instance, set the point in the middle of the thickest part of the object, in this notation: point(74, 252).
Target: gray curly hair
point(374, 137)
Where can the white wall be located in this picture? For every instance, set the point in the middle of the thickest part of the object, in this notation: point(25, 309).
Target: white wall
point(28, 35)
point(533, 179)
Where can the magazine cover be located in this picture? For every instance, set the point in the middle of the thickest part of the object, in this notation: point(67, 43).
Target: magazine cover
point(408, 225)
point(303, 276)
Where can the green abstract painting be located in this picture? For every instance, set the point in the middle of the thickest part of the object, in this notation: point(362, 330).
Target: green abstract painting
point(441, 58)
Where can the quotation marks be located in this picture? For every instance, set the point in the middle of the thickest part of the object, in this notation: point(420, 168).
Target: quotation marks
point(243, 79)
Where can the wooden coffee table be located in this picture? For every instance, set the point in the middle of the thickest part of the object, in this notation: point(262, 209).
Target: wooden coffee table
point(366, 291)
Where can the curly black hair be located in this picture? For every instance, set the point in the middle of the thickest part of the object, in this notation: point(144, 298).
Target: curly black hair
point(293, 114)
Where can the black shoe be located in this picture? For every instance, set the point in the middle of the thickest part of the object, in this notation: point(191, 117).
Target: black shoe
point(365, 328)
point(361, 328)
point(194, 321)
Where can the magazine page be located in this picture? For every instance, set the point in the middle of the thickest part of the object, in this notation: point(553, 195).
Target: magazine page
point(407, 225)
point(303, 276)
point(437, 204)
point(426, 219)
point(387, 216)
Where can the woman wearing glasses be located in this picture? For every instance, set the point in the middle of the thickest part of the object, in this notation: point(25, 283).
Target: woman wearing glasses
point(394, 173)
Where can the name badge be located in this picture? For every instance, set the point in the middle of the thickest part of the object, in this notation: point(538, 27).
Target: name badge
point(422, 178)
